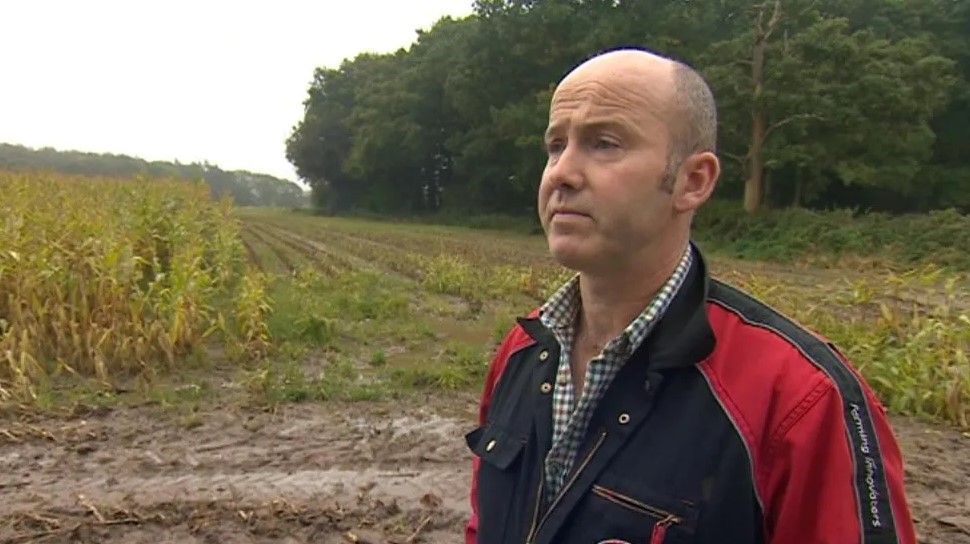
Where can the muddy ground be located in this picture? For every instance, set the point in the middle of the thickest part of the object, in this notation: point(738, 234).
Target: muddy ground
point(323, 472)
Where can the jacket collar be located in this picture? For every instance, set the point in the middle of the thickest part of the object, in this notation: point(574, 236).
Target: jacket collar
point(682, 337)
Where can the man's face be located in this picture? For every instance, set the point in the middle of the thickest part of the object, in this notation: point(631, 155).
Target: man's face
point(600, 198)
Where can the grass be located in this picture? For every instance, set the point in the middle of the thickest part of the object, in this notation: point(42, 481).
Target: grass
point(457, 218)
point(450, 294)
point(358, 335)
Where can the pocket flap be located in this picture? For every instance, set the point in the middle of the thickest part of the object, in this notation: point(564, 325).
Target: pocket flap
point(494, 446)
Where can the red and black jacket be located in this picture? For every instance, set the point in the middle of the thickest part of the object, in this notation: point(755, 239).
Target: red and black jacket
point(730, 424)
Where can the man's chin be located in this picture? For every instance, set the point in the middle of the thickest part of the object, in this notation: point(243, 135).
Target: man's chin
point(570, 256)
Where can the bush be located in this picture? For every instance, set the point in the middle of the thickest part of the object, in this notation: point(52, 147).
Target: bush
point(939, 237)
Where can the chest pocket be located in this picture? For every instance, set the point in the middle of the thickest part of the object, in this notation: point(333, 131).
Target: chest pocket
point(615, 510)
point(502, 482)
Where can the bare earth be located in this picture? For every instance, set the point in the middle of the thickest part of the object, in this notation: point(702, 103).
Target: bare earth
point(323, 473)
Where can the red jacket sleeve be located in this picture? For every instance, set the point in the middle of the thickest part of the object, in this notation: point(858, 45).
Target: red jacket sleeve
point(816, 490)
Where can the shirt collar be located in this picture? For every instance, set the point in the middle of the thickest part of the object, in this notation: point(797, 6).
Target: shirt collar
point(559, 312)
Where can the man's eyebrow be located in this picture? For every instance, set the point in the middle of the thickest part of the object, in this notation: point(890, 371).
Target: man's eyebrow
point(593, 125)
point(552, 128)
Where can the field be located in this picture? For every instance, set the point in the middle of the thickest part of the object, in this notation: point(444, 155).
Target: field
point(330, 403)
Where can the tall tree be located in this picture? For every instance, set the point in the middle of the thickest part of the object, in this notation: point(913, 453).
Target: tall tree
point(321, 141)
point(822, 101)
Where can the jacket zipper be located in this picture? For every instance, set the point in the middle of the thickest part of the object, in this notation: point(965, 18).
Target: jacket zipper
point(535, 512)
point(535, 528)
point(664, 519)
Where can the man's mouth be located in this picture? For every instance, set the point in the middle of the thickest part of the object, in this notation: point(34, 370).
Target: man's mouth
point(569, 212)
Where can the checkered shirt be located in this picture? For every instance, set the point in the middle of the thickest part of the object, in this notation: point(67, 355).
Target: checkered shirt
point(569, 417)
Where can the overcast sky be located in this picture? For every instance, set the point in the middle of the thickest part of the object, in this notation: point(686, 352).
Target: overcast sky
point(187, 80)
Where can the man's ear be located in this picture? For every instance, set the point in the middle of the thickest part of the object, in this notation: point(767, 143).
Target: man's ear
point(696, 179)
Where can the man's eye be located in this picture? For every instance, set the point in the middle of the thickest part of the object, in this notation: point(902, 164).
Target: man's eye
point(554, 147)
point(603, 143)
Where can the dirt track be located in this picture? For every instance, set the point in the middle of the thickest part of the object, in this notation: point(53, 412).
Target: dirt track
point(324, 473)
point(320, 473)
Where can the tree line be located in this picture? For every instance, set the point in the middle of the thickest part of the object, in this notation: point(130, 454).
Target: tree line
point(245, 188)
point(822, 103)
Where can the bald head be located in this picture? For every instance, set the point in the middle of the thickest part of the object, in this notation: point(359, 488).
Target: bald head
point(625, 65)
point(684, 99)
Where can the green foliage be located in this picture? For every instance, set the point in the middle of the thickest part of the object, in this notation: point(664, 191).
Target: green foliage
point(378, 359)
point(447, 274)
point(278, 382)
point(316, 309)
point(830, 92)
point(866, 102)
point(459, 218)
point(107, 279)
point(252, 306)
point(318, 330)
point(939, 237)
point(457, 367)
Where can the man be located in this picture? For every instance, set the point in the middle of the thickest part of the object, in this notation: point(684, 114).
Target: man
point(646, 402)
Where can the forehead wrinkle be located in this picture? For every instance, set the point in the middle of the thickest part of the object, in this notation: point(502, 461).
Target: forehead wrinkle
point(593, 122)
point(588, 101)
point(569, 94)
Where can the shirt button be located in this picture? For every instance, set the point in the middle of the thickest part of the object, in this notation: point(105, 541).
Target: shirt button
point(543, 355)
point(490, 446)
point(546, 387)
point(563, 379)
point(624, 419)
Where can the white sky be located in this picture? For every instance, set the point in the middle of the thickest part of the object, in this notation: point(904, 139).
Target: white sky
point(186, 80)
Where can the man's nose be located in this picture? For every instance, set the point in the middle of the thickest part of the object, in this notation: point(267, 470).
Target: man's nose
point(566, 171)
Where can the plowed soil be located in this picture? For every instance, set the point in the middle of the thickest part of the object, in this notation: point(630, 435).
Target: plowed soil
point(322, 473)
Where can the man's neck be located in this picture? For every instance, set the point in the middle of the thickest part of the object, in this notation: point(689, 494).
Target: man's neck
point(611, 302)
